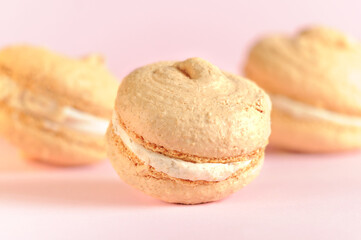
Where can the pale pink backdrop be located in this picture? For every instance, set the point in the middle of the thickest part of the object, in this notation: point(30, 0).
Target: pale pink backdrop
point(297, 196)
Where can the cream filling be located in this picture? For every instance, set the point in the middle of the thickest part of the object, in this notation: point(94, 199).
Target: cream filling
point(176, 167)
point(301, 110)
point(80, 121)
point(53, 115)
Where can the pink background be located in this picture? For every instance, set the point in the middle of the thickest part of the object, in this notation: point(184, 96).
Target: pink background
point(296, 196)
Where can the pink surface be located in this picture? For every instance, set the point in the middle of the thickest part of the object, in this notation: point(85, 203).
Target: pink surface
point(313, 196)
point(296, 196)
point(133, 33)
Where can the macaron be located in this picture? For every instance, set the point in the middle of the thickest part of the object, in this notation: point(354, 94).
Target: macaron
point(314, 81)
point(187, 132)
point(54, 108)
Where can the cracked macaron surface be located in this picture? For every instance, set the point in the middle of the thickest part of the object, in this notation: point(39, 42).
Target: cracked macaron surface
point(182, 124)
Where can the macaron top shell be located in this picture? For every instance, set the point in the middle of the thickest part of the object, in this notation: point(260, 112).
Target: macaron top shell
point(71, 82)
point(195, 108)
point(319, 66)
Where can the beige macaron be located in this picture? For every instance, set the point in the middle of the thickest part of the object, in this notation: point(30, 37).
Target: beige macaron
point(187, 132)
point(54, 108)
point(314, 81)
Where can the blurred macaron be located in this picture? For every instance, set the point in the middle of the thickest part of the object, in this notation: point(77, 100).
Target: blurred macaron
point(314, 81)
point(55, 109)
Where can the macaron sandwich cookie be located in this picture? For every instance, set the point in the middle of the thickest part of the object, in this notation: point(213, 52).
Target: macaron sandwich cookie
point(187, 132)
point(54, 108)
point(314, 81)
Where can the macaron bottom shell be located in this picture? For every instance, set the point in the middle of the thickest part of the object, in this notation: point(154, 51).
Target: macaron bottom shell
point(59, 147)
point(313, 136)
point(174, 190)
